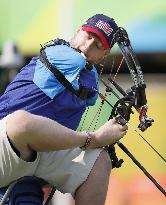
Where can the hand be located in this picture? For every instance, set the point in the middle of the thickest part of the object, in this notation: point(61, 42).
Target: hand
point(108, 134)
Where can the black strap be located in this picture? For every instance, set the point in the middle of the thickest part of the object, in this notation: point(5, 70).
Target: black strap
point(27, 198)
point(82, 92)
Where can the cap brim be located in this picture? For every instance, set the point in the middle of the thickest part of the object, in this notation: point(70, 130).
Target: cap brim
point(99, 34)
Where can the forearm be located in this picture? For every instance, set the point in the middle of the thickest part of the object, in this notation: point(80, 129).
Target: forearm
point(31, 132)
point(46, 135)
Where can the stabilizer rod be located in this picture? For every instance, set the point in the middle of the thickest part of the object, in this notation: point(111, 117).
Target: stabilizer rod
point(124, 148)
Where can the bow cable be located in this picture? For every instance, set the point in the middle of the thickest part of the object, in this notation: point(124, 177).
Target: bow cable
point(116, 95)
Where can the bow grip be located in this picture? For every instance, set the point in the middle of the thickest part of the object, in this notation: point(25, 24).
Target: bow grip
point(120, 120)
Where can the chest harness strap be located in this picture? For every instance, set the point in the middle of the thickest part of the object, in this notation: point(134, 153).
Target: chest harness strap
point(82, 92)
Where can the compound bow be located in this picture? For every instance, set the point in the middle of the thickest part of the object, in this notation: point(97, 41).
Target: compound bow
point(133, 97)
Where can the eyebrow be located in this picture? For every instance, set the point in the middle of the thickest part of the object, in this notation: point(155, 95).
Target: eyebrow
point(98, 39)
point(93, 34)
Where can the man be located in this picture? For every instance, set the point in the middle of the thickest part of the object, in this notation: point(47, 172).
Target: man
point(40, 115)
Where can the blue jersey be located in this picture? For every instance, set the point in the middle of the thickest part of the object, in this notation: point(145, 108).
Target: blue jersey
point(36, 89)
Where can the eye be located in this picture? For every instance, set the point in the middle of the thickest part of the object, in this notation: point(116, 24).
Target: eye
point(99, 44)
point(90, 36)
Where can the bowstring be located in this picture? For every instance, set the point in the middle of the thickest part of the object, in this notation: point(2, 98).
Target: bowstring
point(117, 71)
point(84, 118)
point(133, 128)
point(96, 117)
point(154, 149)
point(105, 94)
point(100, 106)
point(104, 100)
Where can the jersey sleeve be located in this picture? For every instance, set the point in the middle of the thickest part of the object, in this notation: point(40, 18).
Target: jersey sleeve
point(68, 61)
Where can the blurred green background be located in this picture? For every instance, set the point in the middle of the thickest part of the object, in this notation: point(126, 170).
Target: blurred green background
point(31, 23)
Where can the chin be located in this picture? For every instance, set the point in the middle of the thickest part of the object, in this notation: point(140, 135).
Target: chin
point(90, 61)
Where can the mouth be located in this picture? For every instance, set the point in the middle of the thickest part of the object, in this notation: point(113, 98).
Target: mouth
point(85, 53)
point(88, 55)
point(89, 59)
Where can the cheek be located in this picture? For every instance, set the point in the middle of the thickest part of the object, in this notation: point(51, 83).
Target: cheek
point(96, 56)
point(101, 54)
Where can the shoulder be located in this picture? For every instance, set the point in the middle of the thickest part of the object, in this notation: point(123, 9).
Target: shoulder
point(63, 54)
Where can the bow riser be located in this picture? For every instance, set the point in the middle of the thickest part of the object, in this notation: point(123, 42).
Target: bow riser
point(138, 90)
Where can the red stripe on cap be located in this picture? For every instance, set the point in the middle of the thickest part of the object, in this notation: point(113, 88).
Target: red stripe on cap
point(99, 34)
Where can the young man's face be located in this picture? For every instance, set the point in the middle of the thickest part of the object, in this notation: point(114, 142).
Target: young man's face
point(91, 46)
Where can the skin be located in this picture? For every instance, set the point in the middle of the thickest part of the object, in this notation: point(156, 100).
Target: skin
point(42, 134)
point(90, 45)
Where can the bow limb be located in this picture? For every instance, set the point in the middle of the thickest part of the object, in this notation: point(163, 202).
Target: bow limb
point(153, 180)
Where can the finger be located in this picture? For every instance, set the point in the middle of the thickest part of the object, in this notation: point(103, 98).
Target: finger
point(124, 133)
point(124, 128)
point(113, 120)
